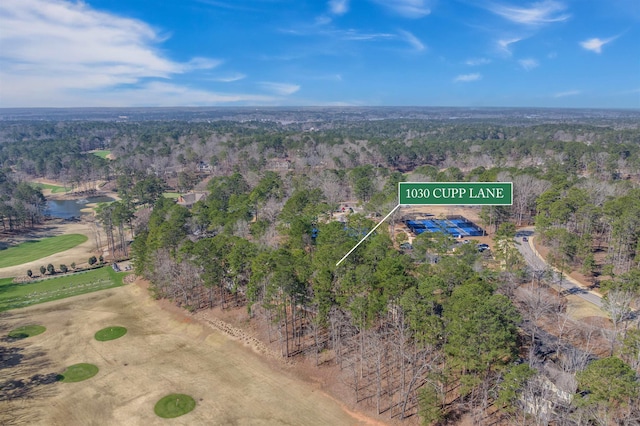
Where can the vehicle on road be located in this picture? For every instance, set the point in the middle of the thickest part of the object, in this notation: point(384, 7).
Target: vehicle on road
point(482, 247)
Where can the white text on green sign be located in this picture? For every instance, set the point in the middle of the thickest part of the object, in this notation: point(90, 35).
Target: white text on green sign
point(455, 193)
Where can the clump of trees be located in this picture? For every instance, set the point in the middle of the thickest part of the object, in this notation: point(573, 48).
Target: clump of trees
point(395, 325)
point(21, 205)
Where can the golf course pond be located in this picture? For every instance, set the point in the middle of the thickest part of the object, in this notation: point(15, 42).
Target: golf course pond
point(66, 209)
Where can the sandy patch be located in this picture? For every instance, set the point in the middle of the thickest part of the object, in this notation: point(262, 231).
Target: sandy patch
point(162, 353)
point(74, 192)
point(579, 309)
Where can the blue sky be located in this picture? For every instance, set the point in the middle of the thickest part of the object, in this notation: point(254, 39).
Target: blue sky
point(570, 53)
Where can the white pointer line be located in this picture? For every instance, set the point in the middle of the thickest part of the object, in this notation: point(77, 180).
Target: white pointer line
point(367, 236)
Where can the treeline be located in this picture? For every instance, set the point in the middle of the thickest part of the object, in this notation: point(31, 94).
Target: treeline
point(433, 334)
point(63, 160)
point(413, 337)
point(47, 149)
point(21, 205)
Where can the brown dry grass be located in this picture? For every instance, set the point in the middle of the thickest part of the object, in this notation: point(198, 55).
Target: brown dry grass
point(79, 254)
point(163, 352)
point(577, 308)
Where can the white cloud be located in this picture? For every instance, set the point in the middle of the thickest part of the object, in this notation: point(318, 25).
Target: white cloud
point(539, 13)
point(232, 5)
point(339, 7)
point(230, 78)
point(412, 40)
point(528, 63)
point(201, 64)
point(356, 35)
point(282, 89)
point(595, 44)
point(53, 50)
point(474, 62)
point(407, 8)
point(465, 78)
point(504, 45)
point(567, 93)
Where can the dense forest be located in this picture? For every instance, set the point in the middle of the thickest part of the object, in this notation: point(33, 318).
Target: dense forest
point(436, 332)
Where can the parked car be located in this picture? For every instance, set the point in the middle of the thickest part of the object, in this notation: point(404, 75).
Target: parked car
point(406, 246)
point(525, 239)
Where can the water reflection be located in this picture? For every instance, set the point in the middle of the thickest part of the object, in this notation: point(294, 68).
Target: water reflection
point(67, 209)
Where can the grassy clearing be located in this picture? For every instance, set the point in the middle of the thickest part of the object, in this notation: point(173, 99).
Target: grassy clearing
point(37, 249)
point(172, 195)
point(55, 189)
point(16, 295)
point(102, 153)
point(26, 331)
point(78, 373)
point(174, 405)
point(110, 333)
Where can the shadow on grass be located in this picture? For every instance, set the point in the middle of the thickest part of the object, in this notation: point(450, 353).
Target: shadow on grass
point(25, 376)
point(4, 245)
point(10, 357)
point(25, 388)
point(7, 287)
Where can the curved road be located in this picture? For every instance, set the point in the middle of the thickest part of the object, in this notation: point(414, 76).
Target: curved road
point(539, 266)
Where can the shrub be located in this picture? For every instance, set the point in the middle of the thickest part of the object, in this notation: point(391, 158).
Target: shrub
point(43, 270)
point(92, 260)
point(30, 273)
point(73, 265)
point(63, 268)
point(51, 269)
point(101, 259)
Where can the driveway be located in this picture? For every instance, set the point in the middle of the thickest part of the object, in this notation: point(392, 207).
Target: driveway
point(538, 265)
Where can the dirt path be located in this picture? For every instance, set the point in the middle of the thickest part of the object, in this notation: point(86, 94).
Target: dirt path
point(163, 352)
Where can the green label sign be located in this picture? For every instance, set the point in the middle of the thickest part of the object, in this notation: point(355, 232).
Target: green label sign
point(456, 193)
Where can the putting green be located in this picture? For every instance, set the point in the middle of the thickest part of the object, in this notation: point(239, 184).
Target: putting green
point(174, 405)
point(26, 331)
point(78, 373)
point(110, 333)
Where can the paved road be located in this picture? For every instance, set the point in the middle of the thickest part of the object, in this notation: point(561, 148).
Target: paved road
point(539, 266)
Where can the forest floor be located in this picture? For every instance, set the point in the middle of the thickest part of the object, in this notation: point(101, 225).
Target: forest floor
point(165, 350)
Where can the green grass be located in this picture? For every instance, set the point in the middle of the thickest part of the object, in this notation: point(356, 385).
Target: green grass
point(26, 331)
point(102, 153)
point(15, 295)
point(110, 333)
point(55, 189)
point(173, 195)
point(174, 405)
point(37, 249)
point(78, 373)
